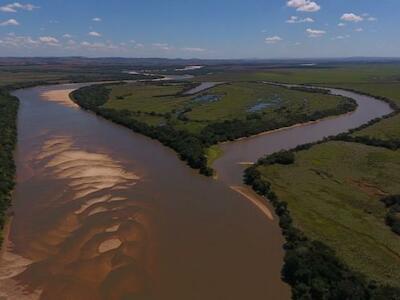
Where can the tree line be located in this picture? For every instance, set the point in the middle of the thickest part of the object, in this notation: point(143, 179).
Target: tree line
point(393, 215)
point(189, 147)
point(8, 138)
point(311, 268)
point(237, 128)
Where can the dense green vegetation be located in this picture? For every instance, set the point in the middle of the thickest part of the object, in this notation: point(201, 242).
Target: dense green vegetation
point(190, 126)
point(8, 134)
point(393, 215)
point(385, 133)
point(189, 147)
point(212, 154)
point(327, 198)
point(336, 221)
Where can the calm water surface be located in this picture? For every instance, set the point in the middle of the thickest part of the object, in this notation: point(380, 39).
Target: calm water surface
point(103, 213)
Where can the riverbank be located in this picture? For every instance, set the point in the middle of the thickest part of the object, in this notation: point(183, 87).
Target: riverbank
point(8, 139)
point(355, 230)
point(190, 126)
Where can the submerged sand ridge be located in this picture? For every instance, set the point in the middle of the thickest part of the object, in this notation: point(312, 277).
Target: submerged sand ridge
point(60, 97)
point(104, 213)
point(97, 233)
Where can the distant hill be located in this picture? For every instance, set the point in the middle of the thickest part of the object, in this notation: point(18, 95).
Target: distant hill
point(82, 61)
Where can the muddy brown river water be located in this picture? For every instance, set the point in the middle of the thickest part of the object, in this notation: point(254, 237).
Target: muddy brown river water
point(103, 213)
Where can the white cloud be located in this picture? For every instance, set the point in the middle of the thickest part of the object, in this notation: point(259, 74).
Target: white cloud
point(14, 7)
point(101, 46)
point(97, 19)
point(19, 41)
point(359, 29)
point(94, 33)
point(304, 5)
point(10, 22)
point(139, 45)
point(273, 39)
point(193, 49)
point(294, 20)
point(162, 46)
point(372, 19)
point(314, 33)
point(67, 36)
point(49, 40)
point(341, 37)
point(351, 17)
point(341, 24)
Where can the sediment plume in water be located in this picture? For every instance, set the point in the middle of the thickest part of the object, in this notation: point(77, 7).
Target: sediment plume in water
point(94, 243)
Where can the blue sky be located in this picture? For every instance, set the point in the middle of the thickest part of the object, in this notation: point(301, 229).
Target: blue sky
point(200, 28)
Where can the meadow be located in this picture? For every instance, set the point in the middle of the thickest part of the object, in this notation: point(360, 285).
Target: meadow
point(318, 74)
point(387, 129)
point(333, 193)
point(224, 102)
point(20, 76)
point(381, 80)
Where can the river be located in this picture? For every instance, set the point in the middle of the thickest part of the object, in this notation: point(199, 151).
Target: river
point(101, 212)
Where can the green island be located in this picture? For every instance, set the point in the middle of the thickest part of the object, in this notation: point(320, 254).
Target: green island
point(190, 124)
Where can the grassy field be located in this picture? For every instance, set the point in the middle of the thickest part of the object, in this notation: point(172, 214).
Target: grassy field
point(333, 192)
point(375, 79)
point(224, 102)
point(213, 153)
point(157, 97)
point(239, 98)
point(17, 75)
point(388, 129)
point(324, 74)
point(385, 130)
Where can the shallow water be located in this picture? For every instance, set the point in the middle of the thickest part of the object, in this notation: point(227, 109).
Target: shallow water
point(201, 87)
point(103, 213)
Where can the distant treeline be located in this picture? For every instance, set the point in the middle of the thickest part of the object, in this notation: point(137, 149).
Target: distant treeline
point(310, 89)
point(8, 137)
point(393, 215)
point(310, 267)
point(191, 147)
